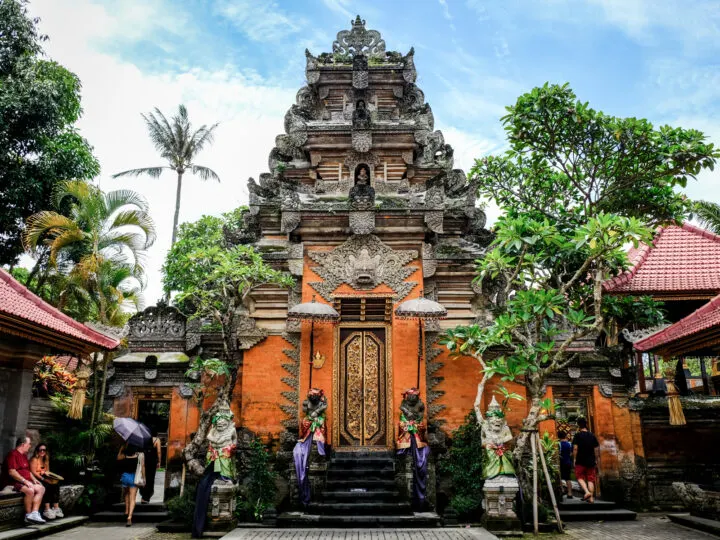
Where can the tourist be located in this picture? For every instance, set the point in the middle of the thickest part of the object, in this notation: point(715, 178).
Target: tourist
point(153, 454)
point(40, 467)
point(132, 476)
point(16, 472)
point(566, 461)
point(584, 445)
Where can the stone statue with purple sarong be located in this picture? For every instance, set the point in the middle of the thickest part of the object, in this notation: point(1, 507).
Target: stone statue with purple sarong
point(411, 438)
point(312, 428)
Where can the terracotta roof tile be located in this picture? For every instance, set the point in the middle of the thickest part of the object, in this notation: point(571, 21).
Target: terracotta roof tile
point(18, 302)
point(683, 259)
point(699, 320)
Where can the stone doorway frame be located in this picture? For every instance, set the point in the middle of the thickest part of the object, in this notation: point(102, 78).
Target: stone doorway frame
point(389, 411)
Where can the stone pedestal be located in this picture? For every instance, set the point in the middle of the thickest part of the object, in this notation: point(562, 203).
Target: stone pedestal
point(221, 510)
point(499, 517)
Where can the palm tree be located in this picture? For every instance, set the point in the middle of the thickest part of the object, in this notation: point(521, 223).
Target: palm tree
point(100, 243)
point(708, 214)
point(179, 145)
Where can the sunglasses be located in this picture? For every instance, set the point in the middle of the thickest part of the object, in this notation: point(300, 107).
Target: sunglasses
point(42, 449)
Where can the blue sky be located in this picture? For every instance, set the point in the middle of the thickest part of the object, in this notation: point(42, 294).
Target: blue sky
point(240, 63)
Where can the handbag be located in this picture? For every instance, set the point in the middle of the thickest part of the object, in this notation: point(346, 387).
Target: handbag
point(140, 471)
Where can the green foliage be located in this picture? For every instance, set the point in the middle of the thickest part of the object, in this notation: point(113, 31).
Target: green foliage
point(258, 491)
point(568, 162)
point(182, 507)
point(92, 497)
point(39, 144)
point(75, 446)
point(90, 254)
point(708, 214)
point(179, 270)
point(463, 463)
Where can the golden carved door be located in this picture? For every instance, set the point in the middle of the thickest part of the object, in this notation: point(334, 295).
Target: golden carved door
point(362, 389)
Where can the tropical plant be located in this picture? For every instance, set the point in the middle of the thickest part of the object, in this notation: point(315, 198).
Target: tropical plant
point(179, 145)
point(217, 289)
point(463, 463)
point(257, 493)
point(50, 378)
point(39, 143)
point(577, 187)
point(708, 214)
point(100, 242)
point(182, 507)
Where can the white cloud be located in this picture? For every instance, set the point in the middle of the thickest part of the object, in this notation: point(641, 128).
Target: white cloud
point(115, 92)
point(260, 20)
point(340, 6)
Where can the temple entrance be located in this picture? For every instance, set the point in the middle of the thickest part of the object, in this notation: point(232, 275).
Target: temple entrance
point(362, 387)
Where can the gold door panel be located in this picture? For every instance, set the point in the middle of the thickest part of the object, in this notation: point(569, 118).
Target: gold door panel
point(362, 389)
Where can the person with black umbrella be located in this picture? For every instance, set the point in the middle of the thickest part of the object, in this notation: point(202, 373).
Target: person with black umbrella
point(131, 460)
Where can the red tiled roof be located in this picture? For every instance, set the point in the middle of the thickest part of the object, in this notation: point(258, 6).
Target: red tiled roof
point(700, 320)
point(18, 303)
point(683, 259)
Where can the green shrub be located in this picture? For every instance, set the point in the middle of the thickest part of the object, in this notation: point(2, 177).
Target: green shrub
point(182, 507)
point(257, 493)
point(464, 464)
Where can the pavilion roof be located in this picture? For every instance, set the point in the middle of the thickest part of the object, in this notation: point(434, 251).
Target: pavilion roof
point(24, 314)
point(683, 263)
point(699, 330)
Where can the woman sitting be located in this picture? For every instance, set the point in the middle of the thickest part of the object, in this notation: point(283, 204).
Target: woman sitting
point(40, 467)
point(131, 462)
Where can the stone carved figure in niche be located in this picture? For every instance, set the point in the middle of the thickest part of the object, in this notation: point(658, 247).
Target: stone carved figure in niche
point(314, 407)
point(495, 435)
point(222, 440)
point(362, 194)
point(361, 115)
point(412, 413)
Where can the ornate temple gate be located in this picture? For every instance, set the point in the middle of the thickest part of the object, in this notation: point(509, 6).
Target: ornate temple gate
point(363, 412)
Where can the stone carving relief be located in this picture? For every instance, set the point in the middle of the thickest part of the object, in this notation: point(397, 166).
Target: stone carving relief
point(358, 40)
point(361, 140)
point(246, 330)
point(434, 220)
point(362, 222)
point(360, 72)
point(289, 221)
point(363, 262)
point(429, 260)
point(157, 323)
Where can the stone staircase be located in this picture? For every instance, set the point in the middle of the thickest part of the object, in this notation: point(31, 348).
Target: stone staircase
point(360, 491)
point(144, 513)
point(578, 510)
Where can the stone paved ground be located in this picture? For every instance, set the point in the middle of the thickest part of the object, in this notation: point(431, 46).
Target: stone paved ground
point(647, 527)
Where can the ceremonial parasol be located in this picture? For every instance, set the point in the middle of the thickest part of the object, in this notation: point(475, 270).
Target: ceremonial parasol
point(132, 431)
point(423, 310)
point(314, 312)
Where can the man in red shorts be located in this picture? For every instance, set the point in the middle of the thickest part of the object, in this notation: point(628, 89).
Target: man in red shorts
point(16, 473)
point(584, 445)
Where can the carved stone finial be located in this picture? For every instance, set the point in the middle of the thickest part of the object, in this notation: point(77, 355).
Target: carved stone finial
point(358, 40)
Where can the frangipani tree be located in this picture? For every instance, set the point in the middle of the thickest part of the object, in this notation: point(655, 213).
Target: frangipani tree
point(577, 187)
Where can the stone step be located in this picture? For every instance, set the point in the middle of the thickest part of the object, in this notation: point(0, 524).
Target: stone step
point(365, 462)
point(578, 505)
point(150, 507)
point(598, 515)
point(362, 454)
point(38, 531)
point(360, 508)
point(138, 516)
point(381, 495)
point(371, 484)
point(364, 473)
point(301, 519)
point(694, 522)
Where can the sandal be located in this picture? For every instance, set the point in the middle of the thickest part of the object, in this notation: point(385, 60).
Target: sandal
point(128, 523)
point(586, 497)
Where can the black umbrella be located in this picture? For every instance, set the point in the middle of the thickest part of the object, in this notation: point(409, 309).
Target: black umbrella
point(314, 312)
point(423, 310)
point(132, 431)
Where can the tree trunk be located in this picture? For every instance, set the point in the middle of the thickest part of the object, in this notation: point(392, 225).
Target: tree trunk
point(95, 385)
point(177, 208)
point(36, 268)
point(107, 356)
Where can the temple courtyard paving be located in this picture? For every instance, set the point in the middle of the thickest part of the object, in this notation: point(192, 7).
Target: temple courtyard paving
point(646, 527)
